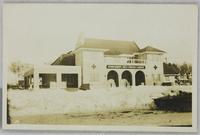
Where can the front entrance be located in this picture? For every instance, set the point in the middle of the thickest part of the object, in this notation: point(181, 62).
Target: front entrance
point(114, 76)
point(128, 76)
point(139, 78)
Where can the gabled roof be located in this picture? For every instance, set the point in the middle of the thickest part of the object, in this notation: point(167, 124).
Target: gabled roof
point(150, 49)
point(115, 47)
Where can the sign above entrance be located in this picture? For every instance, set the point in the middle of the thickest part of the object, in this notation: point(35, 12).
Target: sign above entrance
point(125, 67)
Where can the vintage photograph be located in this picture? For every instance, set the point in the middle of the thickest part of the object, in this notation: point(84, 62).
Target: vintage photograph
point(112, 67)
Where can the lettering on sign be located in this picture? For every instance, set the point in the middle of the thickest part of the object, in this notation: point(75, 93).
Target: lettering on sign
point(125, 67)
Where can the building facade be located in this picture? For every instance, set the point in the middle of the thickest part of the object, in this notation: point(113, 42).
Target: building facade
point(99, 62)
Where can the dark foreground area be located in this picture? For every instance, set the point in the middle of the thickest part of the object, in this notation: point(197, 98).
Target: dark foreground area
point(136, 117)
point(180, 102)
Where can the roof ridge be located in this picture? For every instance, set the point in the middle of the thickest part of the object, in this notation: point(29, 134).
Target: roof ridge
point(151, 49)
point(116, 40)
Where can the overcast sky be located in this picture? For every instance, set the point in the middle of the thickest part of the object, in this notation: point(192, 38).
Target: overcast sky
point(39, 33)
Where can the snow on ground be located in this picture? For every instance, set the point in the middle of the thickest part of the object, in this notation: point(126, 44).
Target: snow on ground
point(59, 101)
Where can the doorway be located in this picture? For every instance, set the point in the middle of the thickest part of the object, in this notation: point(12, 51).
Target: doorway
point(139, 78)
point(128, 76)
point(114, 76)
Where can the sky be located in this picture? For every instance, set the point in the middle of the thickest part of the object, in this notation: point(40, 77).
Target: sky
point(39, 33)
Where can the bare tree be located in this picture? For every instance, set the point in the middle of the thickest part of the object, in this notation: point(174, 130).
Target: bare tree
point(19, 68)
point(16, 68)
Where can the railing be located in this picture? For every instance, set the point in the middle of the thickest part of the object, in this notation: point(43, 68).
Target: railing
point(138, 61)
point(123, 60)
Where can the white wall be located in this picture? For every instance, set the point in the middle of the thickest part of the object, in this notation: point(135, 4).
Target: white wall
point(86, 58)
point(121, 60)
point(58, 70)
point(90, 74)
point(154, 60)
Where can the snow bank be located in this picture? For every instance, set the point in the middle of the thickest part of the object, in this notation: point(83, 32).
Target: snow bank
point(58, 101)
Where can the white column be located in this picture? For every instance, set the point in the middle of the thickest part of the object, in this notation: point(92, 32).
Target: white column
point(119, 72)
point(36, 80)
point(58, 80)
point(133, 78)
point(79, 80)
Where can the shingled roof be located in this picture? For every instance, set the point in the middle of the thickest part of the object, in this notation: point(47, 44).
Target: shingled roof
point(115, 47)
point(150, 49)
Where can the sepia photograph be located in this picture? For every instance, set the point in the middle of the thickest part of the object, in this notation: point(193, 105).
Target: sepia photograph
point(100, 67)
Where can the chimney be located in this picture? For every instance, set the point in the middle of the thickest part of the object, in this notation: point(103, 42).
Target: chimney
point(81, 40)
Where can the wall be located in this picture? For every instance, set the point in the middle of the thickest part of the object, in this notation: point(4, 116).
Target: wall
point(94, 70)
point(93, 67)
point(79, 62)
point(152, 73)
point(58, 70)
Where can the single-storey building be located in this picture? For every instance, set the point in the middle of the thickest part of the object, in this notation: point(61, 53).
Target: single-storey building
point(99, 62)
point(53, 77)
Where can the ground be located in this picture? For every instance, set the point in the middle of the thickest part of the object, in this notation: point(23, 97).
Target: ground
point(140, 117)
point(119, 106)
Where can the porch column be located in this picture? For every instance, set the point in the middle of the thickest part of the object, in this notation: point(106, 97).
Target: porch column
point(36, 80)
point(58, 80)
point(119, 73)
point(133, 78)
point(79, 80)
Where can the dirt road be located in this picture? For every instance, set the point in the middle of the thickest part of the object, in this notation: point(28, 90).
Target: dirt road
point(136, 117)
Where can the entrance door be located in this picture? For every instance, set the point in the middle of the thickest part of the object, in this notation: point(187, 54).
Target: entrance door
point(139, 78)
point(113, 75)
point(128, 76)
